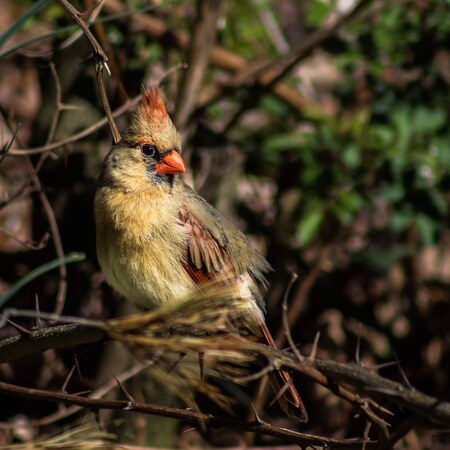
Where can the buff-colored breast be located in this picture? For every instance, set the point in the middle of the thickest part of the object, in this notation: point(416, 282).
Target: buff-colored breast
point(141, 246)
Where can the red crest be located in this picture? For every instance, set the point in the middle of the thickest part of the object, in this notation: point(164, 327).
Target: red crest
point(153, 107)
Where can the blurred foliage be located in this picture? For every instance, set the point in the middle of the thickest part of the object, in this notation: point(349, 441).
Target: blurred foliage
point(363, 170)
point(390, 150)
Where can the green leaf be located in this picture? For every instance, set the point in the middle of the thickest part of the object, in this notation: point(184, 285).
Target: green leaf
point(391, 193)
point(427, 228)
point(319, 11)
point(427, 121)
point(347, 206)
point(309, 225)
point(401, 219)
point(351, 154)
point(274, 106)
point(381, 136)
point(282, 142)
point(401, 119)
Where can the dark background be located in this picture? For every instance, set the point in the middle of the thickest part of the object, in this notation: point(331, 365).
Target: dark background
point(343, 180)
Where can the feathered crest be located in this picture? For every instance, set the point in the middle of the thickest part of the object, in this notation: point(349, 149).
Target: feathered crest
point(151, 123)
point(153, 108)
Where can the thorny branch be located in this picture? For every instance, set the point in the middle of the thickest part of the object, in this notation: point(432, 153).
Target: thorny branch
point(77, 136)
point(62, 287)
point(102, 37)
point(195, 418)
point(333, 375)
point(78, 18)
point(100, 62)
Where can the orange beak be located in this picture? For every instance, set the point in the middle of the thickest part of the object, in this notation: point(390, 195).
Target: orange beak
point(171, 163)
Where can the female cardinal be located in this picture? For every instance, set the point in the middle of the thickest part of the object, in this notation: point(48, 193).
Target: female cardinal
point(158, 240)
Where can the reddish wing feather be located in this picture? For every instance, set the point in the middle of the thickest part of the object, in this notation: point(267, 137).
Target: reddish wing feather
point(207, 261)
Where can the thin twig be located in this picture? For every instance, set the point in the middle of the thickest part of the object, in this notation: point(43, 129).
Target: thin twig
point(54, 229)
point(101, 88)
point(302, 293)
point(195, 418)
point(75, 137)
point(94, 11)
point(28, 244)
point(58, 104)
point(200, 46)
point(78, 18)
point(100, 62)
point(287, 330)
point(7, 146)
point(65, 412)
point(272, 72)
point(101, 35)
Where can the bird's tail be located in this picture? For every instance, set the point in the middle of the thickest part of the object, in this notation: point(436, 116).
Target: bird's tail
point(282, 383)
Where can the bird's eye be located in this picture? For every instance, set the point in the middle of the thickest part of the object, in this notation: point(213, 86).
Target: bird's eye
point(149, 150)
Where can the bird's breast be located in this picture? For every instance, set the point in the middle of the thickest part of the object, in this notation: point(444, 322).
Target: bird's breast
point(141, 247)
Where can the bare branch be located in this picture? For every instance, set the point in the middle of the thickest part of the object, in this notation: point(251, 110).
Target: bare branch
point(201, 44)
point(195, 418)
point(78, 18)
point(75, 137)
point(57, 337)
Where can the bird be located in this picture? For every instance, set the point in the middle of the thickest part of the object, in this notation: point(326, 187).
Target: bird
point(158, 240)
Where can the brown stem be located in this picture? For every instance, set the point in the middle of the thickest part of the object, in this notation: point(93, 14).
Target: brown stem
point(78, 18)
point(101, 88)
point(200, 46)
point(265, 77)
point(75, 137)
point(115, 71)
point(195, 418)
point(54, 229)
point(301, 295)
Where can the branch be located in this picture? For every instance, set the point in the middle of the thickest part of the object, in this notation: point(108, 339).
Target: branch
point(195, 418)
point(54, 229)
point(100, 62)
point(75, 137)
point(365, 380)
point(328, 373)
point(156, 29)
point(78, 18)
point(57, 337)
point(301, 294)
point(428, 407)
point(266, 76)
point(202, 42)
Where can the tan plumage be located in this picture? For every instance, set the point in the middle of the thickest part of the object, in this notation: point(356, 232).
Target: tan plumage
point(158, 240)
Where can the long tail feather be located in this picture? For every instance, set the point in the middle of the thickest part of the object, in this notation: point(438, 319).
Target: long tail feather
point(282, 383)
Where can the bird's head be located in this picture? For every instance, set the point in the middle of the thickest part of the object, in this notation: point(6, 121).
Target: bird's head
point(150, 147)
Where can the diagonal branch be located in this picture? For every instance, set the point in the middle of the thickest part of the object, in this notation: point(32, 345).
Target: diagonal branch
point(202, 42)
point(100, 62)
point(266, 76)
point(77, 136)
point(78, 18)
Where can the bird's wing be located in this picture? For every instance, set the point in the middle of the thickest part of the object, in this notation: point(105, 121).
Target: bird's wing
point(206, 259)
point(214, 237)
